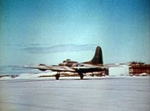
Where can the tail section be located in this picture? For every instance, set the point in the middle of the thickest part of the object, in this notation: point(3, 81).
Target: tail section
point(98, 58)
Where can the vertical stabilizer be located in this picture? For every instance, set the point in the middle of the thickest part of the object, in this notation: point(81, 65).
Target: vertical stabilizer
point(98, 58)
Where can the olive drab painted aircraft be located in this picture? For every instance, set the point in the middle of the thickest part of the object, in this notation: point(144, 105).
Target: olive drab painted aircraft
point(96, 64)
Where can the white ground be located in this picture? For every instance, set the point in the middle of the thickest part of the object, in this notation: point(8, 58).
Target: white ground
point(72, 94)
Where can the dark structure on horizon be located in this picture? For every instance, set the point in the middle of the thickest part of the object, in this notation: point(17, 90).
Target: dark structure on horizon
point(98, 56)
point(137, 68)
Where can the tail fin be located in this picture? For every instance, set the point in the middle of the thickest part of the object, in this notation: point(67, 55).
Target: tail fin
point(98, 57)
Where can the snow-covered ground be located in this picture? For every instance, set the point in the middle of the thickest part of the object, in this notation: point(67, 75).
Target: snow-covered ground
point(27, 75)
point(71, 94)
point(50, 74)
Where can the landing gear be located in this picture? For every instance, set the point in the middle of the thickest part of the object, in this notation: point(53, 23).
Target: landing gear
point(81, 75)
point(57, 76)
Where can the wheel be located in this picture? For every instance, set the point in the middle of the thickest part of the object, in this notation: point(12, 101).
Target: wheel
point(57, 76)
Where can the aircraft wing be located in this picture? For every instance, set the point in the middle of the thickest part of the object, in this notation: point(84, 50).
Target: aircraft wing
point(84, 68)
point(62, 68)
point(57, 68)
point(80, 69)
point(52, 68)
point(88, 66)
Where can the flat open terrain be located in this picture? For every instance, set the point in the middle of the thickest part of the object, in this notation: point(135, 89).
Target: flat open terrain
point(72, 94)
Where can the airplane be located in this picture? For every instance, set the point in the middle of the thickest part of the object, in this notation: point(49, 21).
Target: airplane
point(95, 64)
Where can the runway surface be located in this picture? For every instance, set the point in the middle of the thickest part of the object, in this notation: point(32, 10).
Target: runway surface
point(72, 94)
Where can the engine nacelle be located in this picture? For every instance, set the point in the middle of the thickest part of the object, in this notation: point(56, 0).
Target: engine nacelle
point(42, 65)
point(42, 69)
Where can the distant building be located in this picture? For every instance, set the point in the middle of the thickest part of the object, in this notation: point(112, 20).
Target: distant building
point(138, 68)
point(131, 68)
point(122, 70)
point(117, 70)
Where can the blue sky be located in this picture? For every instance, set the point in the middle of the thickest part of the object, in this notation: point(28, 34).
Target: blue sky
point(49, 31)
